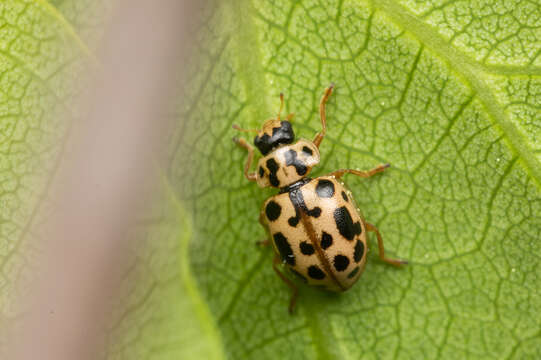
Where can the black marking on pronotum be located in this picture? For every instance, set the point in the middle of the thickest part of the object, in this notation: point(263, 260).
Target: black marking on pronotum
point(325, 188)
point(291, 159)
point(326, 240)
point(341, 262)
point(272, 165)
point(261, 172)
point(282, 134)
point(273, 210)
point(359, 251)
point(307, 150)
point(315, 272)
point(345, 224)
point(344, 196)
point(284, 248)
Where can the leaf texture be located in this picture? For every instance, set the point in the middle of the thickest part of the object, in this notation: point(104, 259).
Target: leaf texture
point(448, 93)
point(39, 53)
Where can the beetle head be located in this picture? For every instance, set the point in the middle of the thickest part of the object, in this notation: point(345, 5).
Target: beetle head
point(273, 134)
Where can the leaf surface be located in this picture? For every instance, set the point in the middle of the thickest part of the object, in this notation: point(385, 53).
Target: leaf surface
point(449, 94)
point(39, 51)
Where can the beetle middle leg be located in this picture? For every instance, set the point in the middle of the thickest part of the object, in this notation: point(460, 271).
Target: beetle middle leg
point(294, 289)
point(364, 174)
point(243, 144)
point(319, 137)
point(396, 262)
point(267, 241)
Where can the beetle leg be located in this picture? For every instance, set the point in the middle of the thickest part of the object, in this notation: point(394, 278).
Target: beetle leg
point(243, 144)
point(364, 174)
point(267, 241)
point(281, 106)
point(262, 243)
point(319, 137)
point(396, 262)
point(292, 286)
point(262, 219)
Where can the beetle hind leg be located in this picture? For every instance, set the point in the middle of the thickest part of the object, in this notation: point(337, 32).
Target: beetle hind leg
point(263, 243)
point(294, 289)
point(395, 262)
point(266, 242)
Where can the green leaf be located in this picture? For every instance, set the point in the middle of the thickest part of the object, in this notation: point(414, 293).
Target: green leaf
point(88, 17)
point(164, 315)
point(39, 53)
point(448, 92)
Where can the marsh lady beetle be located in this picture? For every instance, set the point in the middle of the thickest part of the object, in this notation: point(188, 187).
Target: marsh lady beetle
point(313, 224)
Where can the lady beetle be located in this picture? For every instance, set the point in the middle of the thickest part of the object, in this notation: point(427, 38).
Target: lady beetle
point(314, 224)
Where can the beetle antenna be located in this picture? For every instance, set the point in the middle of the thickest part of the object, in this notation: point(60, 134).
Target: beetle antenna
point(236, 127)
point(281, 105)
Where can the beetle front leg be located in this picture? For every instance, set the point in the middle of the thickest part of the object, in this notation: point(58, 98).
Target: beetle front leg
point(364, 174)
point(243, 144)
point(294, 289)
point(319, 137)
point(395, 262)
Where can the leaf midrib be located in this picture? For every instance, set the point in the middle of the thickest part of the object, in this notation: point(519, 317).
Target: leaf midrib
point(466, 68)
point(53, 11)
point(255, 83)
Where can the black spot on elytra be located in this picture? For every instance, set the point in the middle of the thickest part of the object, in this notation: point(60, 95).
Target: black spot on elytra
point(261, 172)
point(307, 150)
point(291, 159)
point(297, 199)
point(359, 251)
point(315, 212)
point(315, 272)
point(345, 224)
point(273, 210)
point(293, 221)
point(284, 248)
point(357, 228)
point(325, 188)
point(298, 274)
point(341, 262)
point(272, 165)
point(326, 240)
point(354, 272)
point(306, 248)
point(344, 196)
